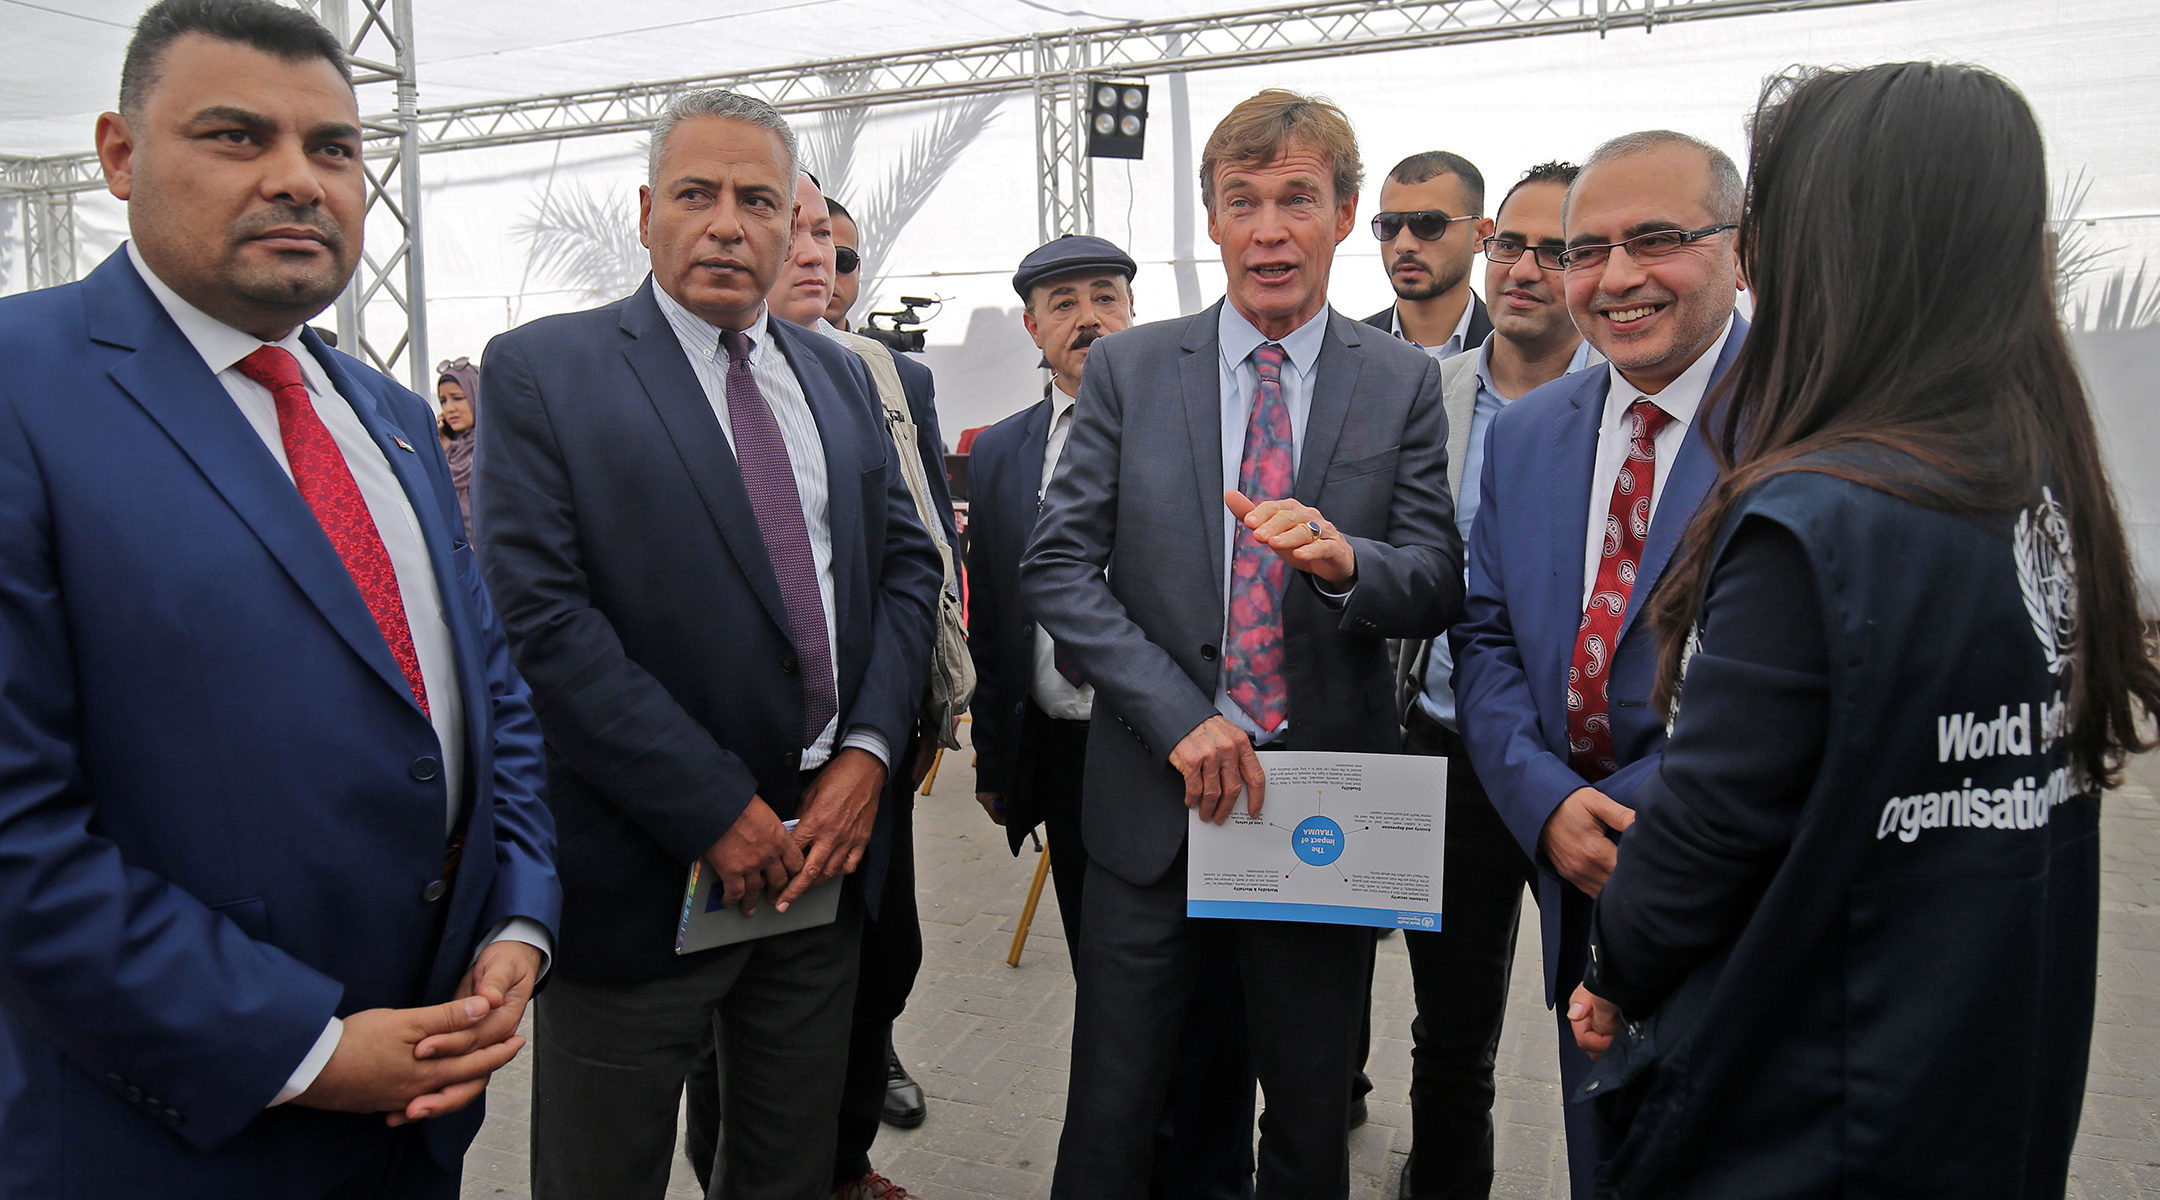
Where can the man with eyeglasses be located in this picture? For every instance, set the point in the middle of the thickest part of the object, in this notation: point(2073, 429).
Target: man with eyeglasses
point(847, 265)
point(1586, 486)
point(1461, 970)
point(1429, 225)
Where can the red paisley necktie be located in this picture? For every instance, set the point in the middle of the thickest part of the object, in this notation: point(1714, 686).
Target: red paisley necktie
point(1627, 525)
point(1253, 663)
point(326, 483)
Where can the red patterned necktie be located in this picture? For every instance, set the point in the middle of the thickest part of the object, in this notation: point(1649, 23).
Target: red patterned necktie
point(326, 483)
point(1253, 662)
point(1627, 526)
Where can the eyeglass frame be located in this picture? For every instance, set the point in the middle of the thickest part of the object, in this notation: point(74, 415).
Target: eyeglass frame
point(1571, 257)
point(1537, 253)
point(1406, 218)
point(840, 256)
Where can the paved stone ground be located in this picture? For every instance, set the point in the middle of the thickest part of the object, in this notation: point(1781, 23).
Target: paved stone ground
point(990, 1042)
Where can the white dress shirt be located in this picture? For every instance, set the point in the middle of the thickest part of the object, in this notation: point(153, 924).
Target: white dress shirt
point(1239, 379)
point(1456, 343)
point(806, 457)
point(1052, 692)
point(222, 347)
point(1679, 399)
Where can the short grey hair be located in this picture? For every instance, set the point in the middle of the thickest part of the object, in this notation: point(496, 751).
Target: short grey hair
point(715, 102)
point(1727, 194)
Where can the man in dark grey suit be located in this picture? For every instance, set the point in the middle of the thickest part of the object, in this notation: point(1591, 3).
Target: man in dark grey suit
point(1212, 634)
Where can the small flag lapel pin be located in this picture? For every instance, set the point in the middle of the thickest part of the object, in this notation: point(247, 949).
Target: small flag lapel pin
point(402, 444)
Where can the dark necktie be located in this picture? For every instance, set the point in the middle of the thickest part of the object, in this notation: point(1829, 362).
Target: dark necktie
point(326, 484)
point(1627, 526)
point(1253, 661)
point(769, 476)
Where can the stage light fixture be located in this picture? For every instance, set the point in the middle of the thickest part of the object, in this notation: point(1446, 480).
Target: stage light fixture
point(1117, 118)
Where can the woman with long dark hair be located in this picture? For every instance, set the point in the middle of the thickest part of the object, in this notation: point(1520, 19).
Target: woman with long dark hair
point(1850, 943)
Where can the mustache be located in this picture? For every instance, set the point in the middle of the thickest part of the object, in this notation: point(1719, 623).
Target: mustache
point(1087, 336)
point(255, 225)
point(1602, 299)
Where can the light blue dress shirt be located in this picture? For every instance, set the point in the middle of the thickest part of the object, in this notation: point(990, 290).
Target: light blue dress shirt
point(1240, 382)
point(1437, 698)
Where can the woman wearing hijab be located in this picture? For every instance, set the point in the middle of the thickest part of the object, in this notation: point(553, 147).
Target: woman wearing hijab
point(457, 391)
point(1850, 943)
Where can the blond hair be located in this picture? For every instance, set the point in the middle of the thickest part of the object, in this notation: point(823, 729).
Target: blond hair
point(1262, 129)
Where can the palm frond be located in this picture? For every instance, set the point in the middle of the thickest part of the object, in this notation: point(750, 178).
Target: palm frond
point(907, 185)
point(584, 241)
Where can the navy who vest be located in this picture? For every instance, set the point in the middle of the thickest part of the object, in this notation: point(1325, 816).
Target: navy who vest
point(1907, 1011)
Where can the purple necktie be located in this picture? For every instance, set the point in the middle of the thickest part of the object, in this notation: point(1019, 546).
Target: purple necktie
point(1253, 663)
point(770, 479)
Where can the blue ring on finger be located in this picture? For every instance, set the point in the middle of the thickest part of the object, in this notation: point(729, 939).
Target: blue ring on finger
point(1314, 526)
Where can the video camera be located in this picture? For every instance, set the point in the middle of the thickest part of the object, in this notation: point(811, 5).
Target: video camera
point(903, 329)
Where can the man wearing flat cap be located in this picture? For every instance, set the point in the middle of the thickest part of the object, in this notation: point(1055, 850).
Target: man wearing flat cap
point(1031, 709)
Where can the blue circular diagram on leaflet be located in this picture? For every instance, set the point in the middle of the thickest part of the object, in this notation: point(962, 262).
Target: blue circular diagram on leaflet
point(1317, 840)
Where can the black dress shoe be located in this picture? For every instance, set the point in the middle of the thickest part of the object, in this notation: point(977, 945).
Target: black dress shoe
point(1402, 1186)
point(1358, 1112)
point(904, 1108)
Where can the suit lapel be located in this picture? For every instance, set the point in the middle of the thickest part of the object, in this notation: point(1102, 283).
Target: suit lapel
point(655, 356)
point(1200, 388)
point(1567, 511)
point(169, 380)
point(1333, 384)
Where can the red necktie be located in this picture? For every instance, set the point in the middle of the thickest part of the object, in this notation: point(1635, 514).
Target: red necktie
point(1253, 658)
point(1627, 525)
point(326, 483)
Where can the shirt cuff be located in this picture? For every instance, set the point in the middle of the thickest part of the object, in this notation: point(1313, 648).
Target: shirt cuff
point(1328, 595)
point(303, 1076)
point(528, 931)
point(864, 737)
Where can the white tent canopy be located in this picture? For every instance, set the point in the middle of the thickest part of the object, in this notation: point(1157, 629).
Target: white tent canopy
point(2086, 65)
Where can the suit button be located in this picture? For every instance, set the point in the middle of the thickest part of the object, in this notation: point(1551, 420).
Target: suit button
point(433, 891)
point(171, 1116)
point(425, 768)
point(133, 1094)
point(1209, 652)
point(1019, 708)
point(791, 759)
point(787, 663)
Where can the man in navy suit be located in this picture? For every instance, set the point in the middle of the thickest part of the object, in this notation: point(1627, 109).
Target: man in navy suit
point(275, 873)
point(1588, 483)
point(712, 572)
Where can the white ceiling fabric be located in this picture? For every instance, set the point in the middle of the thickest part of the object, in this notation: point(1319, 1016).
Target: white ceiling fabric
point(2089, 67)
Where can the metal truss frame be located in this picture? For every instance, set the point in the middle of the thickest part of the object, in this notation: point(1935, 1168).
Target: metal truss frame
point(1053, 67)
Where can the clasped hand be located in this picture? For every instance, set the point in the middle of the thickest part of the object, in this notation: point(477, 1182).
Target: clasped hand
point(416, 1063)
point(1289, 529)
point(1218, 763)
point(759, 856)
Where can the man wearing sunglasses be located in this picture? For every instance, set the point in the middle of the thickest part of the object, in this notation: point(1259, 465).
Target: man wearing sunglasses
point(1429, 226)
point(1587, 483)
point(1461, 971)
point(847, 265)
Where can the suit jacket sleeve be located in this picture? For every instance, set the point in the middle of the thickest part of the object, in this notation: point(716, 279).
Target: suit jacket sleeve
point(135, 980)
point(1410, 581)
point(525, 881)
point(614, 724)
point(989, 609)
point(1499, 715)
point(1062, 580)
